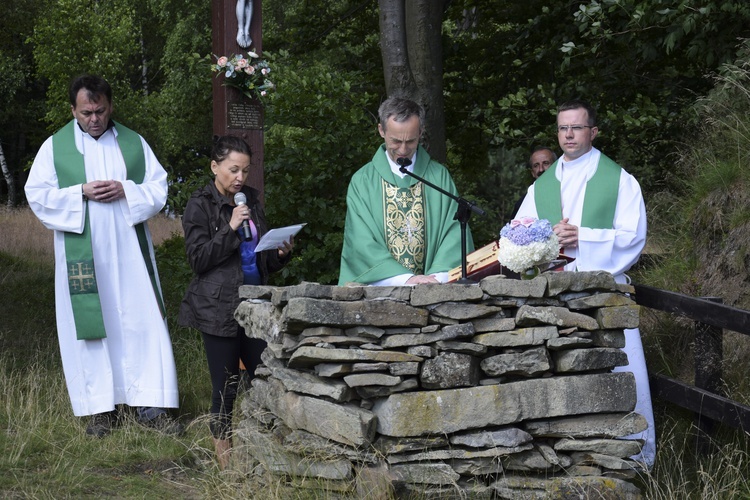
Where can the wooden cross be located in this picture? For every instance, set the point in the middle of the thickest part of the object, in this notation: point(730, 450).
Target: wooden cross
point(235, 22)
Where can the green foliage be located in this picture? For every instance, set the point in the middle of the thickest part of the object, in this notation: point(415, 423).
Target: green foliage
point(182, 105)
point(318, 137)
point(507, 70)
point(153, 54)
point(98, 39)
point(320, 124)
point(174, 271)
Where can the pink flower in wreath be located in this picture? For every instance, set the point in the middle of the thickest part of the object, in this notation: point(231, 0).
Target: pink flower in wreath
point(222, 61)
point(250, 70)
point(241, 63)
point(523, 221)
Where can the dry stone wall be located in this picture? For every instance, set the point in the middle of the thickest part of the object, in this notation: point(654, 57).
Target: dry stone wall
point(501, 389)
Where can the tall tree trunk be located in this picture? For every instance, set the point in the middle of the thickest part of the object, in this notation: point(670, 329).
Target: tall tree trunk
point(412, 52)
point(144, 67)
point(8, 178)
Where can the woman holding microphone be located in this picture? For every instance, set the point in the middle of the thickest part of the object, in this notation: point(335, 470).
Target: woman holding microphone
point(223, 223)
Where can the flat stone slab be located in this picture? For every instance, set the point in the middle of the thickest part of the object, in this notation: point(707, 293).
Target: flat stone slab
point(366, 379)
point(303, 312)
point(426, 295)
point(498, 286)
point(594, 358)
point(457, 454)
point(436, 473)
point(309, 356)
point(509, 438)
point(620, 448)
point(449, 332)
point(606, 425)
point(462, 311)
point(600, 300)
point(307, 383)
point(264, 448)
point(565, 487)
point(344, 424)
point(452, 410)
point(535, 335)
point(558, 316)
point(576, 281)
point(618, 317)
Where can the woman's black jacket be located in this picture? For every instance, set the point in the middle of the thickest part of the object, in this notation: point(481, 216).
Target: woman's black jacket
point(213, 253)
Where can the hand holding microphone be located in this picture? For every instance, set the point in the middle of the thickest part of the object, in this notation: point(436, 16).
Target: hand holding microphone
point(241, 201)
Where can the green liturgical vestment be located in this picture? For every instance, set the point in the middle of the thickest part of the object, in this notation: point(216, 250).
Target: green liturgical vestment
point(600, 200)
point(369, 243)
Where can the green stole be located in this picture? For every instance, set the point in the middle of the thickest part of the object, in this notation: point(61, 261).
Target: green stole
point(70, 169)
point(599, 202)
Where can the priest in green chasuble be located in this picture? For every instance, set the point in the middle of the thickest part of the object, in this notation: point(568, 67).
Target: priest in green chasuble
point(398, 230)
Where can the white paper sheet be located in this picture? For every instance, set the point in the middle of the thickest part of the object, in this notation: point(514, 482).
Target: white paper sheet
point(276, 237)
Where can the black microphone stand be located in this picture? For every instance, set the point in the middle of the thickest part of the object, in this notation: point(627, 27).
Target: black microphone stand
point(463, 213)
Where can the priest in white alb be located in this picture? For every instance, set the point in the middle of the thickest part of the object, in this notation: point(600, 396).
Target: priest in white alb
point(96, 183)
point(597, 211)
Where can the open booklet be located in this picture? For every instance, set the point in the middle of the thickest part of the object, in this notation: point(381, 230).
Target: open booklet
point(276, 237)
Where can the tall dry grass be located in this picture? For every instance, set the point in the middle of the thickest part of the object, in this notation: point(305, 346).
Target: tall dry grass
point(22, 234)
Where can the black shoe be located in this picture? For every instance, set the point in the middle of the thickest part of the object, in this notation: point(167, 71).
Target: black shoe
point(101, 424)
point(165, 424)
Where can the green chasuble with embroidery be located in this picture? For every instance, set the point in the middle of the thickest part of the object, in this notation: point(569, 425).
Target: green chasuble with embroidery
point(398, 225)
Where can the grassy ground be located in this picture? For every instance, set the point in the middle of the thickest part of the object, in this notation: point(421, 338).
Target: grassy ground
point(44, 452)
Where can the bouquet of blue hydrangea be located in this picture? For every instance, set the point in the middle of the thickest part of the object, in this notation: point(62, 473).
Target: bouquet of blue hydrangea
point(526, 243)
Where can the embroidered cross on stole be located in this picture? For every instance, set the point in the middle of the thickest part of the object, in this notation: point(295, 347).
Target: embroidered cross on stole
point(405, 225)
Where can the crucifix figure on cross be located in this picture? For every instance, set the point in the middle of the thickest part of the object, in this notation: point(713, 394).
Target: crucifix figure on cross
point(244, 11)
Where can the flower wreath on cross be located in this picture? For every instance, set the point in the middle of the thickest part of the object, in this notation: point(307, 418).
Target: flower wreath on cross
point(248, 74)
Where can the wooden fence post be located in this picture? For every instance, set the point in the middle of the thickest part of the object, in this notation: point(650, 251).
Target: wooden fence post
point(708, 357)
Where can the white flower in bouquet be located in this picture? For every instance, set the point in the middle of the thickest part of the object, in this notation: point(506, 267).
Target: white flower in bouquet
point(527, 242)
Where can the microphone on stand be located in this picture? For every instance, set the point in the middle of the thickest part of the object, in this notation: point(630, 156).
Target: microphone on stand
point(465, 208)
point(403, 163)
point(239, 200)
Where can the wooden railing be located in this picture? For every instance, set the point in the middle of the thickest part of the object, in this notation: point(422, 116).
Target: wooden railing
point(705, 398)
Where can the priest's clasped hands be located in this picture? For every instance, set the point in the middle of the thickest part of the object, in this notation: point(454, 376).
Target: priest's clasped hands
point(566, 233)
point(103, 191)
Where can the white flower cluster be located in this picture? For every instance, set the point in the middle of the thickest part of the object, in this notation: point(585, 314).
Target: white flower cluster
point(519, 258)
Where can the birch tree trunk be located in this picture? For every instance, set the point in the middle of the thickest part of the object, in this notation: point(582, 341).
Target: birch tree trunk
point(412, 52)
point(8, 178)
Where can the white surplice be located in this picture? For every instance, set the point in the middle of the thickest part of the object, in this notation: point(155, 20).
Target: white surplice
point(613, 250)
point(134, 364)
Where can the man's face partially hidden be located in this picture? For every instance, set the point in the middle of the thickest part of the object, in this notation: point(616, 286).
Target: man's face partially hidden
point(540, 162)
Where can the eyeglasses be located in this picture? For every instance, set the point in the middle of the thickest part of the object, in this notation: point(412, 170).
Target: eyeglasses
point(575, 128)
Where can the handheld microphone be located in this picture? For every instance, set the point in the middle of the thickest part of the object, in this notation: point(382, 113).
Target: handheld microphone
point(239, 200)
point(403, 163)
